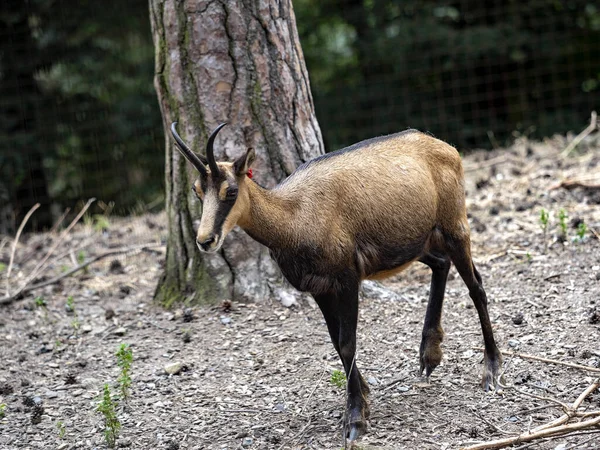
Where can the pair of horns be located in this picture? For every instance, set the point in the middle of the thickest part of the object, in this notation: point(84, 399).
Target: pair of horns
point(197, 161)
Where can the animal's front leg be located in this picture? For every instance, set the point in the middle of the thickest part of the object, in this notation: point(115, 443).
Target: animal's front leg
point(340, 310)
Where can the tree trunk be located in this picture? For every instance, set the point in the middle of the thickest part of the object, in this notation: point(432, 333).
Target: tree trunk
point(239, 62)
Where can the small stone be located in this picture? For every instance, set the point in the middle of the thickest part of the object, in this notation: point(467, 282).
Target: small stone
point(513, 343)
point(51, 394)
point(518, 318)
point(225, 320)
point(86, 328)
point(36, 415)
point(109, 313)
point(174, 368)
point(372, 381)
point(44, 349)
point(172, 445)
point(30, 402)
point(116, 267)
point(188, 315)
point(6, 388)
point(120, 331)
point(125, 442)
point(403, 388)
point(125, 290)
point(279, 407)
point(287, 299)
point(63, 446)
point(247, 442)
point(70, 378)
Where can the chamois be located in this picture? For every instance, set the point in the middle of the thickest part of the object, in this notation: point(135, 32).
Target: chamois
point(364, 212)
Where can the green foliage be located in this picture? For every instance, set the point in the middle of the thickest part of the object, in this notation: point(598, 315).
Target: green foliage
point(338, 379)
point(379, 66)
point(77, 102)
point(581, 231)
point(544, 219)
point(112, 426)
point(124, 359)
point(2, 267)
point(70, 307)
point(40, 302)
point(62, 431)
point(562, 222)
point(99, 222)
point(2, 410)
point(81, 256)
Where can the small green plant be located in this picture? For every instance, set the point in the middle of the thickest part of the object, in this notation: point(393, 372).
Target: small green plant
point(40, 303)
point(70, 308)
point(81, 259)
point(62, 431)
point(2, 267)
point(529, 257)
point(581, 231)
point(99, 222)
point(2, 410)
point(106, 407)
point(562, 222)
point(124, 359)
point(544, 219)
point(338, 379)
point(81, 256)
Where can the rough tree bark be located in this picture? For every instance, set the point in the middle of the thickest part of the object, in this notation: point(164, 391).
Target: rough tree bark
point(238, 61)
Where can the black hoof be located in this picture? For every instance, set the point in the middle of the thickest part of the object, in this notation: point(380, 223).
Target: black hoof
point(491, 380)
point(355, 430)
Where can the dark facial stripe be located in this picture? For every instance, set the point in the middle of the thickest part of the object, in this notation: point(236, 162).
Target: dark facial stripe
point(222, 212)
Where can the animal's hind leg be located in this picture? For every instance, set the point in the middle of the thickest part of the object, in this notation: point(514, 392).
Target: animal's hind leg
point(430, 352)
point(459, 250)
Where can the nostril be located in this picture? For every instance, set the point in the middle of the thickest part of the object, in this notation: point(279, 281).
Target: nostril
point(207, 242)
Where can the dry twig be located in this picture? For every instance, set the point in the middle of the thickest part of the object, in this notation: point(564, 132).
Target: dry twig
point(581, 136)
point(9, 299)
point(558, 427)
point(15, 242)
point(40, 266)
point(547, 360)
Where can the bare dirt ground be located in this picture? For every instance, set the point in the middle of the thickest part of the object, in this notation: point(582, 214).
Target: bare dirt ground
point(257, 376)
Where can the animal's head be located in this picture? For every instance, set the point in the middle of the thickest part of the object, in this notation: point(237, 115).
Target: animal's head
point(222, 189)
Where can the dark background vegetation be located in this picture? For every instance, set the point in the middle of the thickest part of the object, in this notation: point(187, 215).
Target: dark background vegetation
point(79, 116)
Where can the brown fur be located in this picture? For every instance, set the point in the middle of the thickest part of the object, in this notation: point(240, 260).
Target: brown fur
point(394, 191)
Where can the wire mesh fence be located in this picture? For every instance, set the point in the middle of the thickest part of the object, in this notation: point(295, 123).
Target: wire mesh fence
point(79, 118)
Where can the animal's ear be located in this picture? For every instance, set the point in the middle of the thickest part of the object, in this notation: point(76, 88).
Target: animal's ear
point(243, 163)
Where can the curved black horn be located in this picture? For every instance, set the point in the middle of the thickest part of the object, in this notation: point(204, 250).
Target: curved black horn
point(210, 155)
point(185, 150)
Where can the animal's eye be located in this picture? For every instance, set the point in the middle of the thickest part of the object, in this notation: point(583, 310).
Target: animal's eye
point(231, 194)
